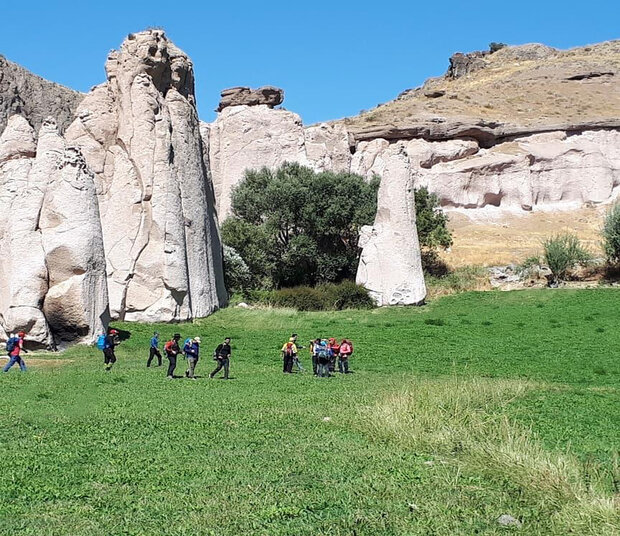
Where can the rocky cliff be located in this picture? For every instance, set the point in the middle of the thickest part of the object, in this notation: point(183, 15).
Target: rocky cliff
point(116, 219)
point(52, 264)
point(32, 97)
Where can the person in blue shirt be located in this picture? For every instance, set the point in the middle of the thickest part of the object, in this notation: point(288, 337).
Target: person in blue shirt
point(154, 350)
point(192, 349)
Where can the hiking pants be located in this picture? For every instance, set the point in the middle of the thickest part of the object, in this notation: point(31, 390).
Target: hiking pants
point(172, 358)
point(343, 364)
point(288, 364)
point(108, 357)
point(12, 360)
point(152, 353)
point(315, 364)
point(323, 368)
point(332, 363)
point(191, 366)
point(297, 362)
point(222, 363)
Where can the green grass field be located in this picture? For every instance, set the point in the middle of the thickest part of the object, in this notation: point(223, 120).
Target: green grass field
point(477, 405)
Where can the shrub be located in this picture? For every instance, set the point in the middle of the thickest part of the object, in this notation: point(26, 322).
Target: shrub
point(611, 235)
point(236, 272)
point(562, 253)
point(494, 47)
point(327, 297)
point(431, 221)
point(346, 295)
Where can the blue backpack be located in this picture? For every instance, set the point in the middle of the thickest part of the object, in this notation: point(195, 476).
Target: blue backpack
point(11, 344)
point(101, 342)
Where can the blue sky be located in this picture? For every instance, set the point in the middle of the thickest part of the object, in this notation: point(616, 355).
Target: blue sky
point(333, 58)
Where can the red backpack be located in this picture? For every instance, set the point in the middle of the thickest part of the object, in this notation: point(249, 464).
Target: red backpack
point(346, 348)
point(288, 352)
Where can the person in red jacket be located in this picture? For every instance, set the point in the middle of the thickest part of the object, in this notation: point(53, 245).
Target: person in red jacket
point(16, 347)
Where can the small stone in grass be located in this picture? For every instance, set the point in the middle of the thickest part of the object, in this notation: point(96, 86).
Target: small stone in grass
point(327, 419)
point(508, 521)
point(412, 507)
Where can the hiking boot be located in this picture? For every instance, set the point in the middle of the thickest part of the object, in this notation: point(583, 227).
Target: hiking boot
point(170, 377)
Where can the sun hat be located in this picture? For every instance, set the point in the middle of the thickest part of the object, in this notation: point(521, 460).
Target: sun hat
point(197, 339)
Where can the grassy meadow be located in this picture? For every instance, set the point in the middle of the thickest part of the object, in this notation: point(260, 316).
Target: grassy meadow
point(477, 405)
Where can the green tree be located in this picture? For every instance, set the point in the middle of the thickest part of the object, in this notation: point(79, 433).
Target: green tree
point(431, 221)
point(293, 226)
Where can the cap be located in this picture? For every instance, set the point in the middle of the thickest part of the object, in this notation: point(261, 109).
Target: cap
point(21, 334)
point(197, 339)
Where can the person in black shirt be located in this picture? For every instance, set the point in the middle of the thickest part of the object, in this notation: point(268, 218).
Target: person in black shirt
point(172, 351)
point(109, 358)
point(222, 356)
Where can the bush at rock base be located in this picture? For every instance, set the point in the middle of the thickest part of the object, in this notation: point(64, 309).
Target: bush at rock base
point(611, 234)
point(562, 253)
point(326, 297)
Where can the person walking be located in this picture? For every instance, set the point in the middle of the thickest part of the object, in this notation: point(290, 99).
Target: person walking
point(154, 350)
point(192, 352)
point(172, 350)
point(222, 356)
point(289, 353)
point(346, 350)
point(109, 343)
point(296, 360)
point(14, 347)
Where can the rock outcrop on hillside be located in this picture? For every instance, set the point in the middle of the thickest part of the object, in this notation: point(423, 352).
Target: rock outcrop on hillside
point(139, 132)
point(52, 264)
point(32, 97)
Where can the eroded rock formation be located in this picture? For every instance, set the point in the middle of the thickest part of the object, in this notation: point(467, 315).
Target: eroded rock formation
point(139, 132)
point(239, 96)
point(52, 263)
point(390, 265)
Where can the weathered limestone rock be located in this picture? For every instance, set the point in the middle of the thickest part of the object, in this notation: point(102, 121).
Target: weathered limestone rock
point(26, 94)
point(139, 133)
point(244, 96)
point(251, 137)
point(51, 252)
point(390, 266)
point(327, 147)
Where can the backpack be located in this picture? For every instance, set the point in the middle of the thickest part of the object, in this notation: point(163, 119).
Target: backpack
point(289, 350)
point(101, 342)
point(168, 346)
point(346, 348)
point(322, 351)
point(11, 344)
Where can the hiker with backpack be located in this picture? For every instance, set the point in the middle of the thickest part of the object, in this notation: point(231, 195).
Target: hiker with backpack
point(289, 353)
point(346, 350)
point(222, 356)
point(106, 343)
point(172, 350)
point(191, 350)
point(322, 356)
point(14, 348)
point(334, 351)
point(154, 350)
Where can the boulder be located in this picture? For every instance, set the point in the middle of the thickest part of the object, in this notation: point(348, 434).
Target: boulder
point(390, 264)
point(464, 64)
point(244, 96)
point(139, 132)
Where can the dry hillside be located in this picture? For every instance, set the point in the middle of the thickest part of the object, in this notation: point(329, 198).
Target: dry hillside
point(526, 85)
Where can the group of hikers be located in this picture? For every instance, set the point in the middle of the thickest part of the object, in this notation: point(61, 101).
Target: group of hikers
point(325, 353)
point(172, 349)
